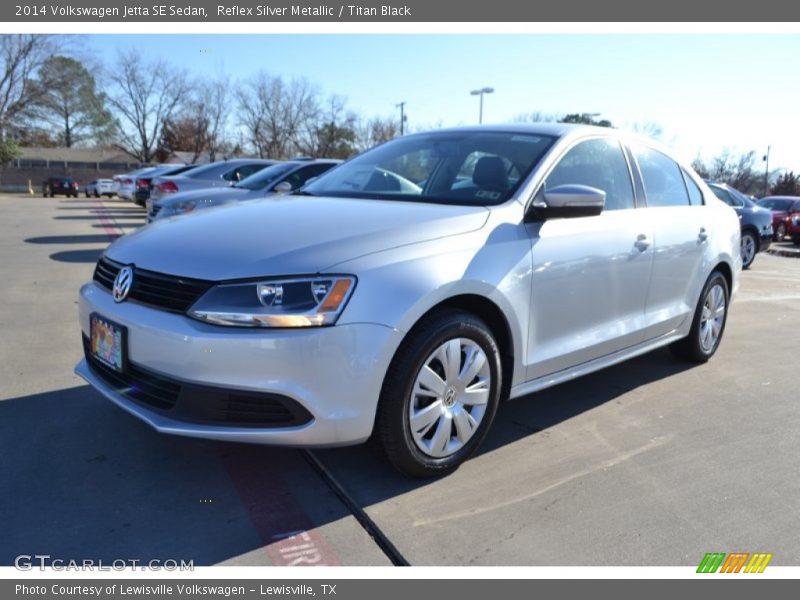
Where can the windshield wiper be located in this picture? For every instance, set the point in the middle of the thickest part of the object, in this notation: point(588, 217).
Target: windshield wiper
point(302, 193)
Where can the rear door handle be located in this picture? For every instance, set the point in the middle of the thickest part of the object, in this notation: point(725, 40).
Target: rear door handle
point(703, 235)
point(642, 242)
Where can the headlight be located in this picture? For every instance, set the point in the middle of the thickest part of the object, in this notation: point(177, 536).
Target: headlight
point(297, 302)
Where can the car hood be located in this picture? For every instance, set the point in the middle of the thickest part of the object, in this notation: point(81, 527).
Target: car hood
point(287, 235)
point(212, 195)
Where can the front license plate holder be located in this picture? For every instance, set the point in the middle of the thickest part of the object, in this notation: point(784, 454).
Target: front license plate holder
point(108, 342)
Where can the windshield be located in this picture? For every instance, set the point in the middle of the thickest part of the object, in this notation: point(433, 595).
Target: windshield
point(461, 167)
point(265, 177)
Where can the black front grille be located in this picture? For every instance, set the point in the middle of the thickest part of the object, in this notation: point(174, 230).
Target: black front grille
point(169, 292)
point(136, 384)
point(199, 403)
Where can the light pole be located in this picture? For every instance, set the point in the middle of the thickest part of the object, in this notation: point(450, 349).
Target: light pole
point(766, 172)
point(403, 117)
point(481, 92)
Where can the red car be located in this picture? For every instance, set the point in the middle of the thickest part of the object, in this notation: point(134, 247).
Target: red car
point(784, 209)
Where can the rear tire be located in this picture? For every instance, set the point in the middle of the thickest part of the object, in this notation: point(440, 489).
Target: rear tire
point(708, 325)
point(749, 248)
point(440, 395)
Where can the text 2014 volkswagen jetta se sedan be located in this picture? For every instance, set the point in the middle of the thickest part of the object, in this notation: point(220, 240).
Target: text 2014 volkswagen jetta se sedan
point(407, 292)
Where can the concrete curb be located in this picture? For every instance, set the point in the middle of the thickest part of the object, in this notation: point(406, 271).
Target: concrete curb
point(790, 252)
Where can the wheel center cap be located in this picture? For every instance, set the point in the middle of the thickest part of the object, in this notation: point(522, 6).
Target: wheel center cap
point(449, 397)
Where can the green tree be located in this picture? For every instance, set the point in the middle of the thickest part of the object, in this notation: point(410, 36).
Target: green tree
point(70, 103)
point(8, 151)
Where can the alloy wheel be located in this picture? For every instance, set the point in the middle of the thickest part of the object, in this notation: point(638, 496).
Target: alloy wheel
point(712, 318)
point(748, 249)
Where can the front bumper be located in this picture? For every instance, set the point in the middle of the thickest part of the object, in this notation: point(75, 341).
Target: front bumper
point(333, 373)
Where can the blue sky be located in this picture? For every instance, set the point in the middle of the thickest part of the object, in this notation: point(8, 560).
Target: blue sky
point(706, 91)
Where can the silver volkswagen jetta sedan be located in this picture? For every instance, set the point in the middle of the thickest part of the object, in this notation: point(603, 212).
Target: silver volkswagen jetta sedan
point(406, 293)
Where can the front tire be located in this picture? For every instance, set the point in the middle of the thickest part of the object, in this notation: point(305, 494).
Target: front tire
point(708, 325)
point(440, 395)
point(749, 248)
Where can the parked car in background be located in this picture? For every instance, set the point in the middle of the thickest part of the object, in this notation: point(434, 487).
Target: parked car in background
point(126, 184)
point(783, 208)
point(144, 182)
point(99, 187)
point(62, 186)
point(223, 173)
point(360, 309)
point(755, 221)
point(280, 178)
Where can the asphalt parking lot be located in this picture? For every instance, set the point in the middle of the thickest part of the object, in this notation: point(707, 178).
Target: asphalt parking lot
point(651, 462)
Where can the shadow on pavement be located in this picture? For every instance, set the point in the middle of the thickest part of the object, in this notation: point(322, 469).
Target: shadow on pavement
point(78, 256)
point(86, 480)
point(371, 480)
point(70, 239)
point(96, 217)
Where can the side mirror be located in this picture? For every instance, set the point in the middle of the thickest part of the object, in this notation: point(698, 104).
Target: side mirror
point(284, 187)
point(565, 201)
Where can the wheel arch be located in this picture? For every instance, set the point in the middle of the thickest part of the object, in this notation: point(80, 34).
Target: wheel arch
point(494, 317)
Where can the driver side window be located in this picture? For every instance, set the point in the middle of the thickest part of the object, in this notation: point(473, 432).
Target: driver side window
point(598, 163)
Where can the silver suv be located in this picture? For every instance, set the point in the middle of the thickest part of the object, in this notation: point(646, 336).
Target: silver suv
point(406, 293)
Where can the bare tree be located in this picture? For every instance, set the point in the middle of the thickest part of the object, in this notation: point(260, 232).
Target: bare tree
point(374, 131)
point(212, 106)
point(331, 134)
point(276, 114)
point(21, 56)
point(738, 171)
point(537, 117)
point(145, 96)
point(649, 129)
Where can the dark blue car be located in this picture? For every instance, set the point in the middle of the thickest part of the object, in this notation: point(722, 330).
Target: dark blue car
point(755, 220)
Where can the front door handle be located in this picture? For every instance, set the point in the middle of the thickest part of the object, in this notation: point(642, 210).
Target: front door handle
point(703, 235)
point(642, 242)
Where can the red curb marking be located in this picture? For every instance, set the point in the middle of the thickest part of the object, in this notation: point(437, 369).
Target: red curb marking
point(291, 537)
point(110, 227)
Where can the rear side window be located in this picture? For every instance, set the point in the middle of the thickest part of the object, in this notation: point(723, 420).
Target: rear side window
point(662, 178)
point(600, 164)
point(695, 195)
point(726, 196)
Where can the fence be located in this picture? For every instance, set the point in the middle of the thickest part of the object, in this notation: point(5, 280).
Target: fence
point(14, 177)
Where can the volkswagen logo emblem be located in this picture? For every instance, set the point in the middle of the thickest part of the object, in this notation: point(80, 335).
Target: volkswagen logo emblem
point(122, 284)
